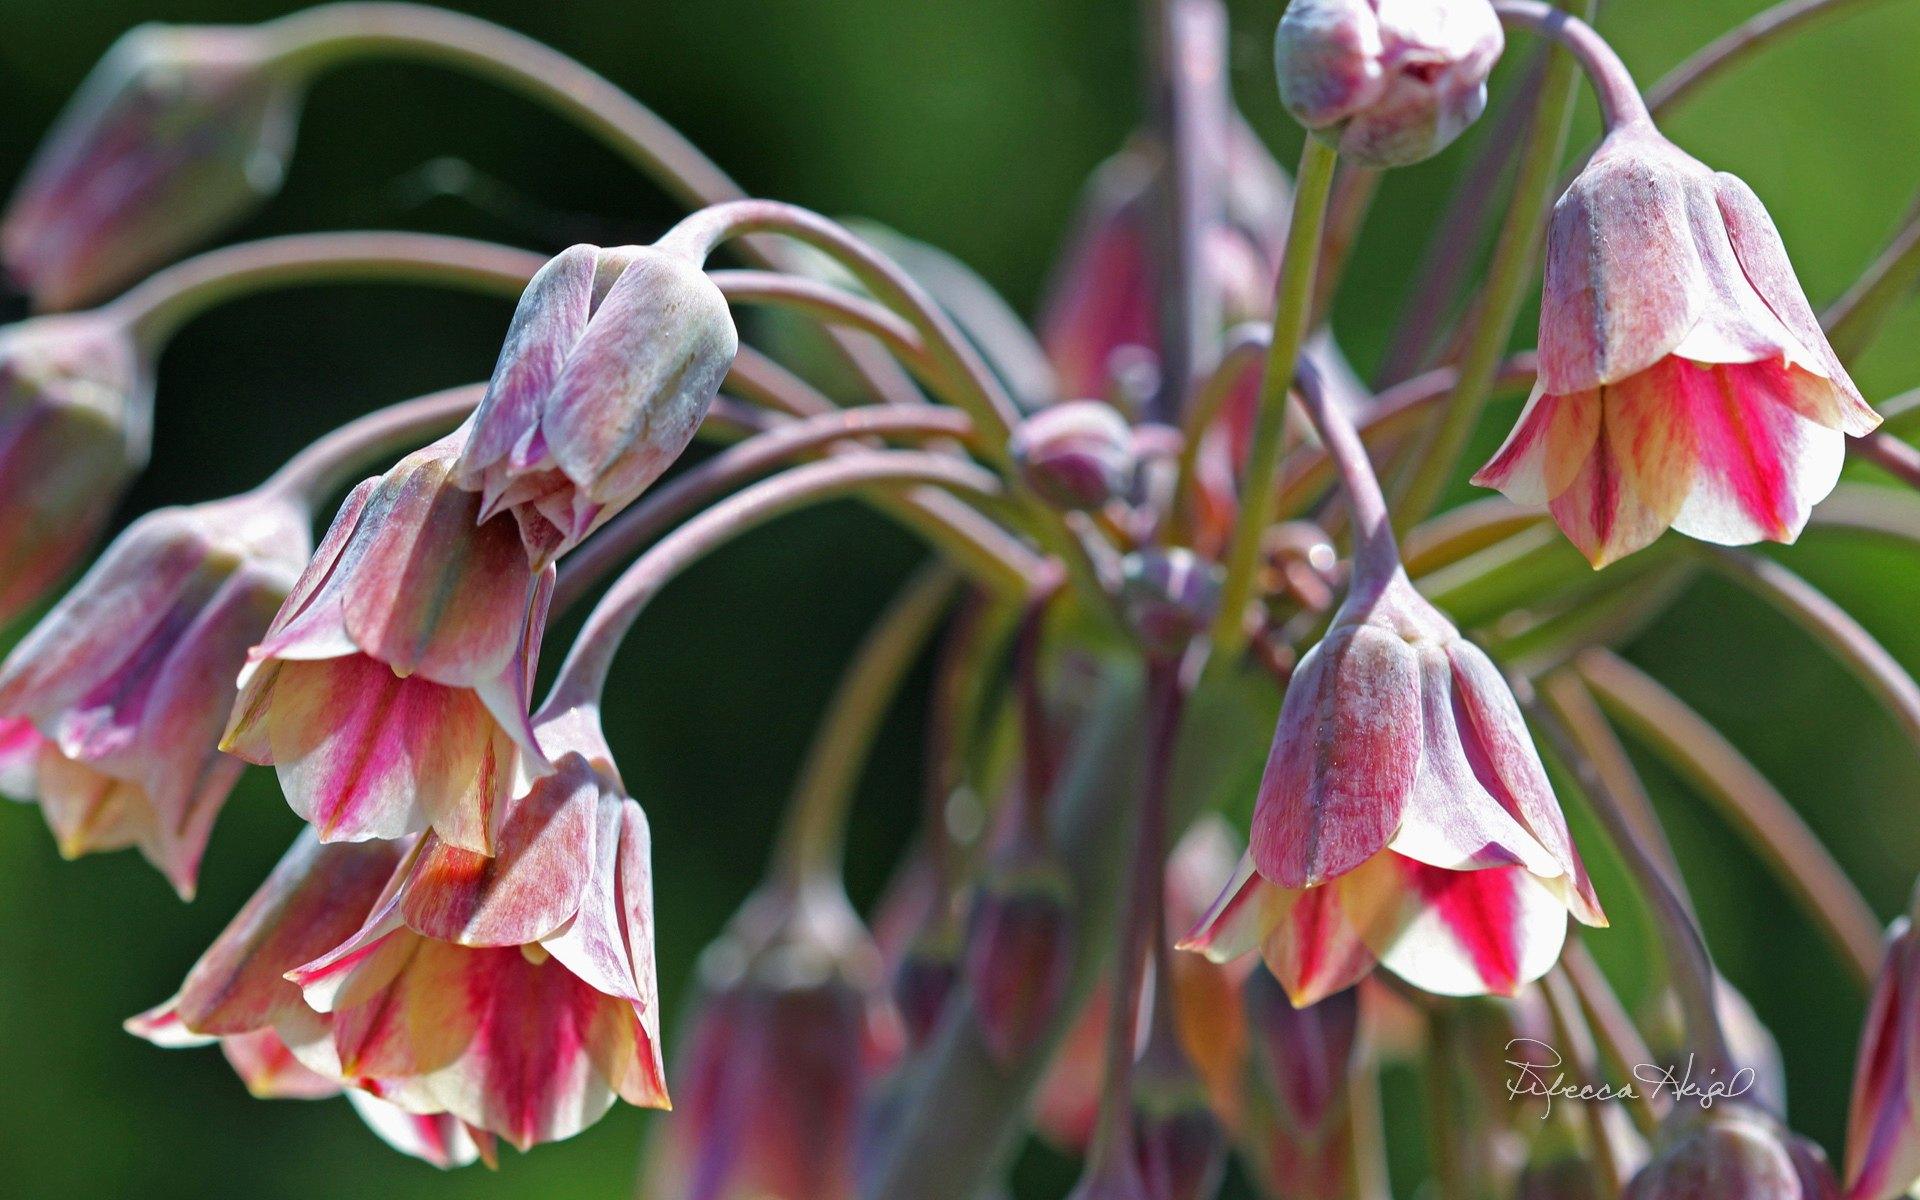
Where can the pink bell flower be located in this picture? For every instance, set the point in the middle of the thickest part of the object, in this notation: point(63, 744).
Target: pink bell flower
point(390, 693)
point(76, 410)
point(515, 992)
point(1684, 379)
point(1404, 820)
point(608, 369)
point(128, 680)
point(1883, 1121)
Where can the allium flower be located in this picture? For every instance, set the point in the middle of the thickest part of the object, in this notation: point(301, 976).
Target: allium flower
point(1404, 819)
point(608, 368)
point(76, 408)
point(1883, 1121)
point(1684, 380)
point(1388, 82)
point(791, 1029)
point(390, 693)
point(177, 131)
point(516, 992)
point(1304, 1056)
point(129, 678)
point(1734, 1151)
point(235, 995)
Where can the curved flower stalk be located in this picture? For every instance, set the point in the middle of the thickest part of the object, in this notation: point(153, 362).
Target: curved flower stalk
point(1404, 817)
point(515, 992)
point(76, 412)
point(235, 995)
point(390, 693)
point(608, 369)
point(1684, 379)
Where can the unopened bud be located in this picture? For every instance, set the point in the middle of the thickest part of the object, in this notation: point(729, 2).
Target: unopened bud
point(1019, 952)
point(1077, 455)
point(1733, 1151)
point(177, 132)
point(1169, 596)
point(1387, 82)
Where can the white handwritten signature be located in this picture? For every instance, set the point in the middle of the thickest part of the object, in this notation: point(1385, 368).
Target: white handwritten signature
point(1536, 1078)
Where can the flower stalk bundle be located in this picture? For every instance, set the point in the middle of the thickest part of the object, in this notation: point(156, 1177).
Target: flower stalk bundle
point(1173, 536)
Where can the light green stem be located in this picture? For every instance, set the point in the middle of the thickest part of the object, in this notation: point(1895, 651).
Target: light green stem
point(1292, 305)
point(1508, 277)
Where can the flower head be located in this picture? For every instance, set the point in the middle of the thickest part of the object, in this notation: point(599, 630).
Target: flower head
point(516, 992)
point(76, 409)
point(128, 679)
point(1883, 1121)
point(608, 368)
point(1684, 379)
point(1404, 819)
point(178, 130)
point(792, 1029)
point(1388, 82)
point(235, 995)
point(390, 693)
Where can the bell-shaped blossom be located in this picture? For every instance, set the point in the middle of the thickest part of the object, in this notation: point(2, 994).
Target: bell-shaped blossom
point(76, 410)
point(390, 693)
point(1729, 1151)
point(129, 678)
point(608, 369)
point(1883, 1121)
point(1387, 82)
point(1305, 1058)
point(235, 995)
point(515, 992)
point(791, 1030)
point(1404, 819)
point(177, 132)
point(1019, 950)
point(1684, 379)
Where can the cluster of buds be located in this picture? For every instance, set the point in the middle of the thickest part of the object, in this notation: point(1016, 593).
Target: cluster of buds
point(461, 941)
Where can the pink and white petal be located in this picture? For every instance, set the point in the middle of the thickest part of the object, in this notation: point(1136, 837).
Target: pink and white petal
point(248, 734)
point(1456, 933)
point(316, 896)
point(1763, 465)
point(162, 1026)
point(1763, 258)
point(1601, 513)
point(87, 811)
point(362, 753)
point(21, 746)
point(1883, 1119)
point(1494, 735)
point(534, 883)
point(310, 623)
point(271, 1071)
point(1451, 820)
point(1315, 949)
point(1239, 920)
point(1343, 759)
point(1518, 467)
point(1657, 455)
point(593, 944)
point(437, 1138)
point(360, 968)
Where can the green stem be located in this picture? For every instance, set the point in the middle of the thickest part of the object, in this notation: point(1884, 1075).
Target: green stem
point(1620, 1042)
point(1293, 301)
point(814, 834)
point(169, 299)
point(1508, 277)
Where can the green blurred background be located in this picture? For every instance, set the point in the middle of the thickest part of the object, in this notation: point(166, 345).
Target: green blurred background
point(971, 124)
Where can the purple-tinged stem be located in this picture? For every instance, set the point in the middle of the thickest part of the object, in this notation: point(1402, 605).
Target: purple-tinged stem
point(1620, 101)
point(1036, 729)
point(1619, 1040)
point(1890, 454)
point(962, 682)
point(834, 306)
point(1571, 1030)
point(327, 465)
point(1856, 318)
point(666, 506)
point(1744, 797)
point(583, 676)
point(814, 831)
point(1376, 553)
point(157, 307)
point(1833, 627)
point(760, 380)
point(1578, 732)
point(1738, 44)
point(1244, 347)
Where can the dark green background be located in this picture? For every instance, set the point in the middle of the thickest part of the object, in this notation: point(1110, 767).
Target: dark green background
point(971, 124)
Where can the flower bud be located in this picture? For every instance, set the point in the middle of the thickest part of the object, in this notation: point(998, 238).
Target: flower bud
point(1387, 82)
point(1077, 455)
point(1732, 1151)
point(1169, 596)
point(608, 369)
point(1304, 1059)
point(130, 677)
point(1178, 1141)
point(1019, 951)
point(791, 1029)
point(177, 132)
point(76, 408)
